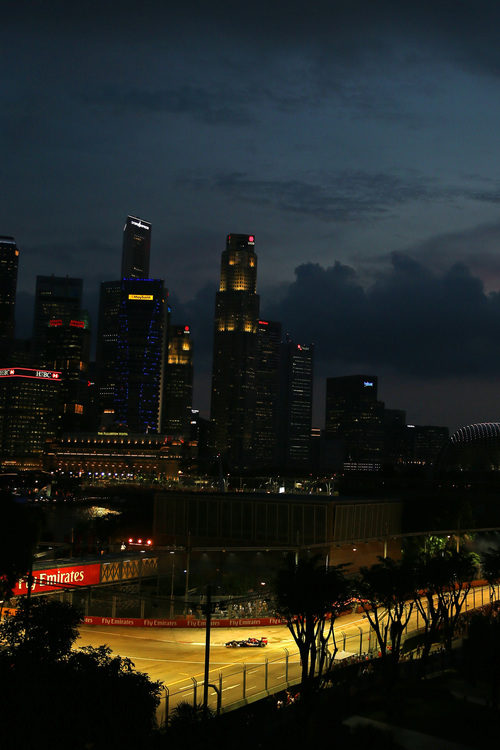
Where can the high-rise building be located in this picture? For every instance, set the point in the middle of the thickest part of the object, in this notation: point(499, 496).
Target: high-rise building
point(9, 261)
point(142, 323)
point(107, 349)
point(296, 405)
point(56, 297)
point(266, 415)
point(354, 417)
point(136, 248)
point(67, 350)
point(28, 411)
point(178, 382)
point(235, 339)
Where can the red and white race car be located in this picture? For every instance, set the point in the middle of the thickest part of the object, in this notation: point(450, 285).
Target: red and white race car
point(248, 643)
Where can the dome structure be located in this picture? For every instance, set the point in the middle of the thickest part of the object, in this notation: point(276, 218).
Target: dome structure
point(474, 447)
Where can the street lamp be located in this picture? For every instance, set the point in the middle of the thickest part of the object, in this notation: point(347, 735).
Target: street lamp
point(172, 586)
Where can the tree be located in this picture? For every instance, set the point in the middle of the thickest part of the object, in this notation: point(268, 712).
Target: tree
point(42, 628)
point(450, 583)
point(387, 595)
point(56, 696)
point(310, 597)
point(490, 562)
point(20, 525)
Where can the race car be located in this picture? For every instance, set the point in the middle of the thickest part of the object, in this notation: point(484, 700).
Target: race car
point(248, 643)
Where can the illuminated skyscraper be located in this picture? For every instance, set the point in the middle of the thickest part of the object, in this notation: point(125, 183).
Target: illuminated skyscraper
point(136, 248)
point(140, 354)
point(9, 260)
point(178, 383)
point(235, 339)
point(28, 411)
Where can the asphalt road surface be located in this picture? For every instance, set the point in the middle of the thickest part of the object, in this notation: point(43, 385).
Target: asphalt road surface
point(176, 656)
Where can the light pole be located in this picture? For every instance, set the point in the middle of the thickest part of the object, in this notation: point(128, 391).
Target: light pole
point(172, 586)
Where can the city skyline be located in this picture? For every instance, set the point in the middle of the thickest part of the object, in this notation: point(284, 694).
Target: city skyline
point(356, 140)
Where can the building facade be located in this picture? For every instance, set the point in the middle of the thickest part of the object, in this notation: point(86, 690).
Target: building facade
point(29, 412)
point(9, 262)
point(142, 324)
point(178, 382)
point(354, 419)
point(136, 248)
point(56, 297)
point(267, 399)
point(296, 405)
point(107, 349)
point(234, 358)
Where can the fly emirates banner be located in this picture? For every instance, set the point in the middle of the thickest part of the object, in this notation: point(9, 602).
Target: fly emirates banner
point(58, 579)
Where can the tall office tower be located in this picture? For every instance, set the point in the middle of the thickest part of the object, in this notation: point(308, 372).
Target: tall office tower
point(56, 297)
point(266, 415)
point(235, 339)
point(141, 347)
point(355, 418)
point(28, 411)
point(107, 349)
point(9, 261)
point(296, 405)
point(178, 383)
point(136, 248)
point(67, 350)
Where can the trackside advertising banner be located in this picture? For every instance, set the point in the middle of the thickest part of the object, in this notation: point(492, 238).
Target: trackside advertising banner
point(139, 622)
point(58, 579)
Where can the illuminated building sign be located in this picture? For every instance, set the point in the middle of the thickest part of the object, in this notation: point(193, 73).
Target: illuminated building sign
point(139, 224)
point(367, 383)
point(55, 322)
point(141, 296)
point(251, 238)
point(77, 323)
point(54, 579)
point(263, 323)
point(23, 372)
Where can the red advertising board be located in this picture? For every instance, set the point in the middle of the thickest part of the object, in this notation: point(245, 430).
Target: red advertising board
point(136, 622)
point(58, 579)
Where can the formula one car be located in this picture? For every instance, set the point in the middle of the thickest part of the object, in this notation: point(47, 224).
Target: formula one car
point(248, 643)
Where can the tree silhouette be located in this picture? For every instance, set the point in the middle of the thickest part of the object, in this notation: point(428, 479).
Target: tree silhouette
point(387, 595)
point(310, 596)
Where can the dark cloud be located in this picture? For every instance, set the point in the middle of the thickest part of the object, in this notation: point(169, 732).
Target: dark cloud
point(412, 321)
point(342, 196)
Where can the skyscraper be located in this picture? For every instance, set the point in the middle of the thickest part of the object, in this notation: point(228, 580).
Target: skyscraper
point(235, 339)
point(9, 260)
point(28, 411)
point(178, 382)
point(56, 297)
point(354, 417)
point(67, 350)
point(266, 415)
point(140, 356)
point(136, 248)
point(296, 405)
point(107, 347)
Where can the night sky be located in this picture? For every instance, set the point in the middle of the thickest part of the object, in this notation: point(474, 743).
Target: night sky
point(358, 141)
